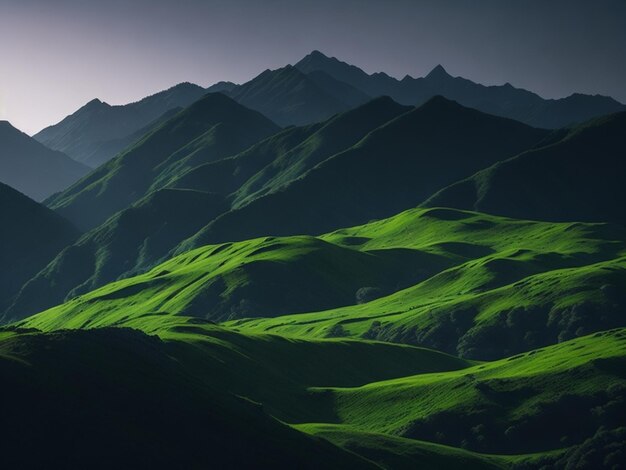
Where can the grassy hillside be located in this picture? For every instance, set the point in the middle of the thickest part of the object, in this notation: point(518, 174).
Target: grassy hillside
point(576, 178)
point(212, 128)
point(32, 168)
point(441, 278)
point(393, 168)
point(30, 237)
point(135, 239)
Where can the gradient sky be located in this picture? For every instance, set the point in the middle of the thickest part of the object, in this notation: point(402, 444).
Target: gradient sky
point(55, 55)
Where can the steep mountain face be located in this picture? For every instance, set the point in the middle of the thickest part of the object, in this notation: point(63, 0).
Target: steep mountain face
point(393, 168)
point(30, 238)
point(137, 238)
point(505, 100)
point(212, 128)
point(289, 97)
point(578, 178)
point(98, 131)
point(32, 168)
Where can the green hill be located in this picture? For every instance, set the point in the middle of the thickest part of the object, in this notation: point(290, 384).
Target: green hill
point(439, 278)
point(30, 238)
point(96, 132)
point(576, 178)
point(212, 128)
point(136, 239)
point(32, 168)
point(395, 167)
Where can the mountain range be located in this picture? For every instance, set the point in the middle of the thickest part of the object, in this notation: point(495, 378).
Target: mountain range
point(312, 90)
point(319, 268)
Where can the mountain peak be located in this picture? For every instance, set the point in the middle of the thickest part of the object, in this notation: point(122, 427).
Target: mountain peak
point(438, 73)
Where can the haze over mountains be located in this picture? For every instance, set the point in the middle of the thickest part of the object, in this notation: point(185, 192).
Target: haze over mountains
point(319, 268)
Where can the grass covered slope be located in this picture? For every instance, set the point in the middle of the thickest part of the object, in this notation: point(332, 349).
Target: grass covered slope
point(440, 278)
point(32, 168)
point(395, 167)
point(518, 405)
point(212, 128)
point(30, 238)
point(136, 238)
point(577, 178)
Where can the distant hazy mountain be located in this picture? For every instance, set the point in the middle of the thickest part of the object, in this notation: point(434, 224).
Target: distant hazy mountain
point(395, 167)
point(581, 178)
point(212, 128)
point(98, 131)
point(290, 97)
point(30, 236)
point(32, 168)
point(505, 100)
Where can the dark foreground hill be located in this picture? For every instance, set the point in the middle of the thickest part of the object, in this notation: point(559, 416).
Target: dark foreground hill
point(98, 131)
point(504, 100)
point(581, 177)
point(32, 168)
point(31, 235)
point(115, 398)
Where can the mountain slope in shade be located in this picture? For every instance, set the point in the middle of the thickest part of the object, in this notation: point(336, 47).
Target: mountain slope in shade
point(137, 238)
point(289, 97)
point(30, 237)
point(505, 100)
point(32, 168)
point(212, 128)
point(130, 241)
point(578, 178)
point(91, 135)
point(395, 167)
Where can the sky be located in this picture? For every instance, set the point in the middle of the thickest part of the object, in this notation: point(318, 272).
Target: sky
point(56, 55)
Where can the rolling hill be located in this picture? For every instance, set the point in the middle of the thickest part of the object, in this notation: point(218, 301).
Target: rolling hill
point(98, 131)
point(504, 100)
point(576, 178)
point(212, 128)
point(30, 238)
point(32, 168)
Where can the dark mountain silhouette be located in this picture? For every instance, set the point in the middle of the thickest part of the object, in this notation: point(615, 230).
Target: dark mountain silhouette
point(578, 178)
point(289, 97)
point(32, 168)
point(505, 100)
point(395, 167)
point(30, 238)
point(98, 131)
point(212, 128)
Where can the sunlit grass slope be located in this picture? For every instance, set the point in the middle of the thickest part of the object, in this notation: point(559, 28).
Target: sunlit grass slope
point(467, 283)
